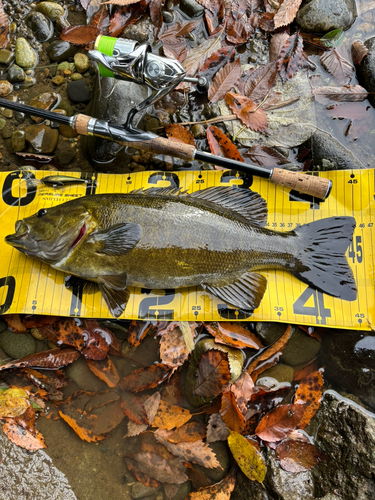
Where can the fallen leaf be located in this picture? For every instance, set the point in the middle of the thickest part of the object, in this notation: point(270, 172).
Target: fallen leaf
point(139, 475)
point(4, 27)
point(306, 370)
point(133, 408)
point(337, 65)
point(216, 61)
point(347, 93)
point(101, 20)
point(243, 389)
point(190, 432)
point(290, 57)
point(79, 35)
point(298, 456)
point(286, 13)
point(218, 491)
point(278, 40)
point(13, 402)
point(151, 406)
point(279, 422)
point(309, 393)
point(230, 413)
point(238, 31)
point(179, 29)
point(64, 331)
point(21, 437)
point(157, 467)
point(49, 381)
point(170, 416)
point(120, 2)
point(156, 17)
point(105, 370)
point(138, 331)
point(333, 38)
point(197, 56)
point(126, 15)
point(53, 359)
point(224, 80)
point(247, 111)
point(144, 378)
point(34, 321)
point(188, 329)
point(175, 48)
point(97, 339)
point(212, 374)
point(220, 145)
point(257, 82)
point(266, 156)
point(215, 15)
point(172, 392)
point(14, 323)
point(197, 452)
point(233, 334)
point(217, 429)
point(359, 51)
point(198, 480)
point(247, 457)
point(180, 133)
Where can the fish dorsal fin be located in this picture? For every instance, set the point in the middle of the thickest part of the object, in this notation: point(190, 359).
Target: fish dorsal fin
point(168, 191)
point(116, 300)
point(118, 239)
point(245, 293)
point(242, 201)
point(115, 281)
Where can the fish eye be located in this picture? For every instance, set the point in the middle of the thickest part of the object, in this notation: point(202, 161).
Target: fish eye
point(41, 212)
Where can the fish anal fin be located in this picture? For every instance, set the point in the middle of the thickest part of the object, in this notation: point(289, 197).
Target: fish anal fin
point(246, 293)
point(118, 239)
point(114, 281)
point(116, 300)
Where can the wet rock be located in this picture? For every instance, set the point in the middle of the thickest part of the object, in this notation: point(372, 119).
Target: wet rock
point(67, 131)
point(8, 113)
point(66, 107)
point(81, 374)
point(81, 62)
point(182, 492)
point(59, 51)
point(42, 138)
point(330, 154)
point(66, 66)
point(16, 74)
point(17, 345)
point(2, 123)
point(25, 55)
point(66, 155)
point(76, 76)
point(5, 88)
point(20, 117)
point(18, 140)
point(321, 16)
point(280, 372)
point(137, 32)
point(366, 70)
point(50, 9)
point(40, 25)
point(44, 101)
point(152, 124)
point(6, 56)
point(191, 8)
point(167, 17)
point(140, 490)
point(79, 91)
point(29, 81)
point(198, 131)
point(3, 326)
point(349, 363)
point(7, 131)
point(58, 80)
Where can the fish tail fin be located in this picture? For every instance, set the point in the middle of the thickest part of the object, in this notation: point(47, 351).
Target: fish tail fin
point(321, 262)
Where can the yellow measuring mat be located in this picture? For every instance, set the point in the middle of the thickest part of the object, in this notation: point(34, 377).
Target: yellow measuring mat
point(29, 286)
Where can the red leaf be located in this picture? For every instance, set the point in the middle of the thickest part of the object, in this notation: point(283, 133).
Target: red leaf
point(220, 145)
point(233, 334)
point(180, 133)
point(138, 331)
point(175, 48)
point(155, 13)
point(298, 456)
point(53, 359)
point(64, 331)
point(125, 16)
point(278, 423)
point(286, 13)
point(101, 20)
point(230, 413)
point(79, 35)
point(247, 111)
point(259, 81)
point(359, 51)
point(224, 80)
point(238, 32)
point(14, 323)
point(216, 61)
point(337, 65)
point(179, 29)
point(145, 378)
point(105, 370)
point(214, 15)
point(4, 27)
point(290, 57)
point(347, 93)
point(212, 374)
point(309, 393)
point(266, 157)
point(97, 339)
point(133, 408)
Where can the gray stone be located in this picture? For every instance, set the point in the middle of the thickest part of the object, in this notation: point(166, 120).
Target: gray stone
point(81, 374)
point(42, 138)
point(81, 62)
point(366, 70)
point(136, 32)
point(66, 66)
point(167, 17)
point(3, 326)
point(6, 56)
point(2, 123)
point(66, 155)
point(40, 25)
point(321, 16)
point(18, 141)
point(66, 107)
point(59, 50)
point(220, 448)
point(183, 491)
point(79, 91)
point(17, 345)
point(16, 74)
point(191, 8)
point(329, 154)
point(280, 372)
point(140, 490)
point(25, 55)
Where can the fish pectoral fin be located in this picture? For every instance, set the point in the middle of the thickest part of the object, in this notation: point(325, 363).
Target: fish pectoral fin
point(116, 300)
point(245, 293)
point(118, 239)
point(114, 281)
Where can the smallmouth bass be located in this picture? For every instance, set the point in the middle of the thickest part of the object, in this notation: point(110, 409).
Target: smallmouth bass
point(162, 238)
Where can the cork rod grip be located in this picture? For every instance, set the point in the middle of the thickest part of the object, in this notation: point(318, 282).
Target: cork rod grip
point(80, 124)
point(303, 183)
point(164, 146)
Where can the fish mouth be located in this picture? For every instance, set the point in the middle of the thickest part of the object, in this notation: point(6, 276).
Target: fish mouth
point(16, 239)
point(81, 234)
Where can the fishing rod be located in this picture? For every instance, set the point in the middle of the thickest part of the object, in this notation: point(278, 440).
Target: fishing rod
point(126, 60)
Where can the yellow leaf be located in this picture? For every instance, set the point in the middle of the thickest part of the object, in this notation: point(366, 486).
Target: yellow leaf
point(13, 402)
point(169, 416)
point(247, 456)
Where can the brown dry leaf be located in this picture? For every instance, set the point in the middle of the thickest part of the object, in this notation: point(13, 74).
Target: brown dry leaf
point(175, 48)
point(290, 57)
point(216, 61)
point(105, 370)
point(145, 378)
point(173, 392)
point(309, 393)
point(64, 331)
point(97, 340)
point(230, 413)
point(120, 2)
point(306, 370)
point(224, 80)
point(34, 321)
point(217, 429)
point(170, 416)
point(238, 31)
point(336, 64)
point(4, 27)
point(197, 56)
point(212, 374)
point(220, 145)
point(101, 20)
point(179, 29)
point(24, 438)
point(138, 331)
point(248, 112)
point(279, 422)
point(347, 93)
point(193, 431)
point(140, 476)
point(151, 406)
point(197, 452)
point(243, 389)
point(155, 8)
point(80, 35)
point(126, 15)
point(133, 408)
point(286, 12)
point(14, 323)
point(218, 491)
point(180, 133)
point(259, 81)
point(266, 156)
point(233, 334)
point(53, 359)
point(298, 456)
point(359, 51)
point(159, 468)
point(48, 381)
